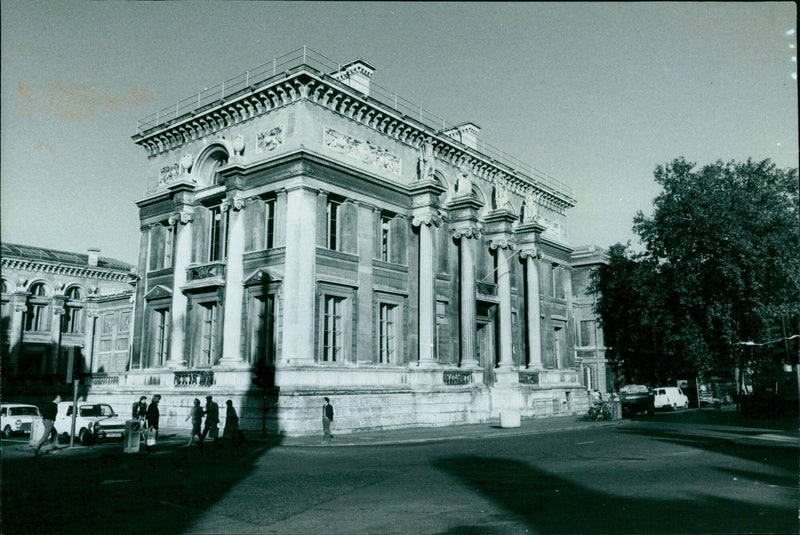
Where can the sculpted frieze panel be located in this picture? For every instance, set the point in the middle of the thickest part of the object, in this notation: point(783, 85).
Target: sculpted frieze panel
point(270, 139)
point(168, 173)
point(363, 151)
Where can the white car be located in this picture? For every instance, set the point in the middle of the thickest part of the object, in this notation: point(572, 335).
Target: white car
point(95, 422)
point(17, 418)
point(670, 397)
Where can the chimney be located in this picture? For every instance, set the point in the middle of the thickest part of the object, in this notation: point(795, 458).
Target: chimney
point(466, 133)
point(356, 74)
point(93, 254)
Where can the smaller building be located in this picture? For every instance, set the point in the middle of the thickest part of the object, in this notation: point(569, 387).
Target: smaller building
point(590, 350)
point(64, 315)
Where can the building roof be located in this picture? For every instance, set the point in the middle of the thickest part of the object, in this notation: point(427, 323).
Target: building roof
point(28, 252)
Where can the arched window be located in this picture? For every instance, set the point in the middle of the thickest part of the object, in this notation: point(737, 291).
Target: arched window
point(37, 317)
point(211, 162)
point(73, 311)
point(5, 287)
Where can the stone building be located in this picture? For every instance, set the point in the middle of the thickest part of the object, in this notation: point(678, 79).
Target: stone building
point(356, 246)
point(60, 307)
point(590, 350)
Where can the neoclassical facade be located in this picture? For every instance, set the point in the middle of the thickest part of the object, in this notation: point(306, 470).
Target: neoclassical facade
point(307, 221)
point(60, 307)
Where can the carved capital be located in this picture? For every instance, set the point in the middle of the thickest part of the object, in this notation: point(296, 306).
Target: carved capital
point(466, 232)
point(503, 243)
point(427, 220)
point(532, 253)
point(183, 217)
point(234, 203)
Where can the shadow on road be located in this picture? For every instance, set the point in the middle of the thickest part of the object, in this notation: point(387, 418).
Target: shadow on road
point(113, 492)
point(551, 504)
point(726, 417)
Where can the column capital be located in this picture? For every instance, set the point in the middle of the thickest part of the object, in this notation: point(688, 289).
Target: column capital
point(183, 216)
point(427, 219)
point(466, 231)
point(530, 252)
point(234, 202)
point(504, 242)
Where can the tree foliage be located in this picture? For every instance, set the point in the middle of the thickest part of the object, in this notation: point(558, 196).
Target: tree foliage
point(720, 266)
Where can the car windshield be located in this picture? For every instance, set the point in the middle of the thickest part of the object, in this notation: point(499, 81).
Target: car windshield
point(96, 410)
point(24, 411)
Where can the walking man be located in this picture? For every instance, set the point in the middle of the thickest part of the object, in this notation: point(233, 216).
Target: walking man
point(196, 414)
point(49, 413)
point(327, 418)
point(153, 414)
point(212, 421)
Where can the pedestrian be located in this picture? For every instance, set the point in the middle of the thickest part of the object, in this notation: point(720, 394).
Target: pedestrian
point(231, 431)
point(152, 415)
point(327, 418)
point(49, 413)
point(196, 414)
point(139, 409)
point(212, 421)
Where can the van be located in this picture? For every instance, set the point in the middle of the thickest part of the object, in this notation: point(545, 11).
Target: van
point(670, 397)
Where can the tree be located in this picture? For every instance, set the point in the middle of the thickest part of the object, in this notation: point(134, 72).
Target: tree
point(720, 265)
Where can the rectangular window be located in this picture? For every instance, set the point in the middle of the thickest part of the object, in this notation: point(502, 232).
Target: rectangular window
point(262, 329)
point(161, 336)
point(217, 247)
point(586, 334)
point(36, 317)
point(333, 224)
point(169, 244)
point(73, 320)
point(386, 238)
point(388, 333)
point(269, 223)
point(558, 347)
point(333, 329)
point(208, 334)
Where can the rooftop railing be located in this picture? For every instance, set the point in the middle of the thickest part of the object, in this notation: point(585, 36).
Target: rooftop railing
point(306, 57)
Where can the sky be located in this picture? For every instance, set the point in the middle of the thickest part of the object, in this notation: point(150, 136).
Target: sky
point(594, 94)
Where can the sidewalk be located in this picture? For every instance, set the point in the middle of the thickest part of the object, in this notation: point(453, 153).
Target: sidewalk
point(418, 435)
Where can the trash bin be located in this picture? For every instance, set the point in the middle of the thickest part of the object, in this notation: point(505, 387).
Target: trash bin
point(133, 435)
point(616, 410)
point(37, 430)
point(509, 419)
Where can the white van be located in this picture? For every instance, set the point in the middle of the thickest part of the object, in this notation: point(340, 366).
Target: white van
point(670, 397)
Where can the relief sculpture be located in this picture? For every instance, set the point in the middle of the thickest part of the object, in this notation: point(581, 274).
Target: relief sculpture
point(363, 151)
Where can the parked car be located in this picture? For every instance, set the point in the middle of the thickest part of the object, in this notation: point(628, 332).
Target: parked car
point(636, 399)
point(95, 422)
point(670, 397)
point(17, 418)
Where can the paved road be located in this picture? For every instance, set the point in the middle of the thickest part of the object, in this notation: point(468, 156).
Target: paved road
point(654, 476)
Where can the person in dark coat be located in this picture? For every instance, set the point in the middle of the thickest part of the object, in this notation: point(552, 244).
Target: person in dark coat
point(139, 408)
point(196, 414)
point(231, 431)
point(327, 418)
point(49, 413)
point(152, 413)
point(212, 421)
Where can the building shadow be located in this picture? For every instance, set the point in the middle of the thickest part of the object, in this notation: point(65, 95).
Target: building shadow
point(548, 503)
point(112, 492)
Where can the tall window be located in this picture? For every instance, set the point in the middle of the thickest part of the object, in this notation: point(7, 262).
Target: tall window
point(37, 318)
point(333, 224)
point(73, 312)
point(558, 347)
point(208, 334)
point(162, 241)
point(160, 336)
point(333, 329)
point(217, 246)
point(388, 333)
point(169, 245)
point(269, 223)
point(386, 238)
point(262, 328)
point(586, 334)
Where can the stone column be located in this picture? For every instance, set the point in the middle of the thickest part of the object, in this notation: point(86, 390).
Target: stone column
point(17, 324)
point(234, 288)
point(533, 307)
point(181, 258)
point(299, 283)
point(504, 252)
point(368, 223)
point(467, 294)
point(56, 329)
point(427, 290)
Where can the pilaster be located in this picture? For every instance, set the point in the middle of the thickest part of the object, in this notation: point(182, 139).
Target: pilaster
point(181, 257)
point(18, 306)
point(234, 289)
point(500, 234)
point(527, 238)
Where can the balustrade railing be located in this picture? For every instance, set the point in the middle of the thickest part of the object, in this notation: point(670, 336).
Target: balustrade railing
point(304, 56)
point(194, 378)
point(457, 377)
point(103, 379)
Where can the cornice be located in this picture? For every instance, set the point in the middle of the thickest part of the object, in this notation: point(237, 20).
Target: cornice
point(326, 91)
point(61, 269)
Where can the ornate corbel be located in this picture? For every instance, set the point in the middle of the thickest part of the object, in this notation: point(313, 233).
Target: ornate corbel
point(236, 203)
